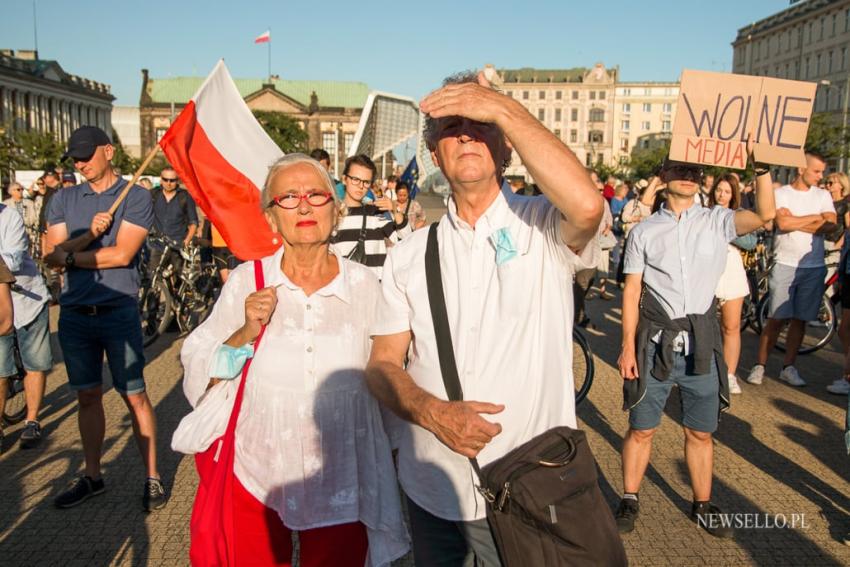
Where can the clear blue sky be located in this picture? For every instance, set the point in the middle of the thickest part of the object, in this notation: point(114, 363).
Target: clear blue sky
point(402, 47)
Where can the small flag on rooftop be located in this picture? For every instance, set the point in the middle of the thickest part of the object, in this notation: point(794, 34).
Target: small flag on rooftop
point(264, 37)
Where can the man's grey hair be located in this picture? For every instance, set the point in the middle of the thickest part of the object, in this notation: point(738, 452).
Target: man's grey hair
point(431, 130)
point(288, 161)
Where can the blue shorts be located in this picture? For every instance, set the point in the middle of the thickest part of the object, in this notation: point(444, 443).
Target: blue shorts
point(699, 395)
point(795, 293)
point(86, 338)
point(33, 343)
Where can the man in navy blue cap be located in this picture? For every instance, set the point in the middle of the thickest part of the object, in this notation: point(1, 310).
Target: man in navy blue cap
point(99, 310)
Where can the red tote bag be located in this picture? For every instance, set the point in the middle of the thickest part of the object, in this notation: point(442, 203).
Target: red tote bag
point(211, 527)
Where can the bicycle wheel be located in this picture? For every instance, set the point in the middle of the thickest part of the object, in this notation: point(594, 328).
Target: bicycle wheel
point(583, 366)
point(817, 333)
point(156, 310)
point(16, 405)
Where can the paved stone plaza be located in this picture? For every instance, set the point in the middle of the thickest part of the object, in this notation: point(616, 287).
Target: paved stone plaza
point(779, 451)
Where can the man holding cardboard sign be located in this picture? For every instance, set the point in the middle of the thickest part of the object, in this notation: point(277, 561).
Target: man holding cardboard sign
point(674, 260)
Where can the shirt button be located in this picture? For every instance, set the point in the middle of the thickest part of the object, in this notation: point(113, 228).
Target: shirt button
point(309, 307)
point(309, 349)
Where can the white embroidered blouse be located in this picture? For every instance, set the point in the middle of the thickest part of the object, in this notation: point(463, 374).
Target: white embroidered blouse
point(310, 441)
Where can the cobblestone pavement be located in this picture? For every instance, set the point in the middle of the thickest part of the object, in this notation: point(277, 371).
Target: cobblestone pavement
point(779, 451)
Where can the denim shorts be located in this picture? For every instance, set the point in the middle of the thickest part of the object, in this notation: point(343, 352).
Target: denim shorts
point(795, 293)
point(86, 338)
point(33, 343)
point(699, 395)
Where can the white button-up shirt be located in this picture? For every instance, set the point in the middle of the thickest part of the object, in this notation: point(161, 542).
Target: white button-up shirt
point(511, 327)
point(310, 441)
point(30, 292)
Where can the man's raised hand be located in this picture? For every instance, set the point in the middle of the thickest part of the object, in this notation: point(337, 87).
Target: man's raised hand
point(470, 100)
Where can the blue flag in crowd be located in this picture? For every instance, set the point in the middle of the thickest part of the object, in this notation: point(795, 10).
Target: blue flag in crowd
point(411, 176)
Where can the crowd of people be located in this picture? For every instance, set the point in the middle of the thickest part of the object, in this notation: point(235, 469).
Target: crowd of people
point(328, 348)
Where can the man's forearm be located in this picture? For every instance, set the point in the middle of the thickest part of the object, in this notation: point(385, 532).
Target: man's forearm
point(395, 389)
point(631, 302)
point(102, 258)
point(193, 228)
point(555, 168)
point(806, 223)
point(77, 244)
point(765, 201)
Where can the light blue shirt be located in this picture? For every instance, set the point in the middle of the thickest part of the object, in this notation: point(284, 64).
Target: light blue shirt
point(681, 259)
point(29, 294)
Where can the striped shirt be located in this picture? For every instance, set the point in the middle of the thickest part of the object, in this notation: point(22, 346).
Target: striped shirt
point(378, 228)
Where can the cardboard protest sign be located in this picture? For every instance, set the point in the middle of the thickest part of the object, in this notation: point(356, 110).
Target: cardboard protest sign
point(716, 111)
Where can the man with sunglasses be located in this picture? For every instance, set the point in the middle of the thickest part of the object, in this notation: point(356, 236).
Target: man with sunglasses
point(174, 216)
point(671, 336)
point(99, 306)
point(364, 227)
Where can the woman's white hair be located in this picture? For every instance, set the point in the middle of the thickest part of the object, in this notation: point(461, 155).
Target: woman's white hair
point(288, 161)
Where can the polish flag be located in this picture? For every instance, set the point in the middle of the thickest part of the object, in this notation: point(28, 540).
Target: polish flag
point(222, 155)
point(264, 37)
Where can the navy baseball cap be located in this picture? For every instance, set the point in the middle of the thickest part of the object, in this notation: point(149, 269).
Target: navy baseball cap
point(84, 141)
point(69, 177)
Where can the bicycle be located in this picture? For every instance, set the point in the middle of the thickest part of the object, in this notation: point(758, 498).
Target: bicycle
point(15, 409)
point(583, 365)
point(166, 296)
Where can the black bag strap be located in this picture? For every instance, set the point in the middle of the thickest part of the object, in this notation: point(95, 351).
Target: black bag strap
point(362, 236)
point(442, 331)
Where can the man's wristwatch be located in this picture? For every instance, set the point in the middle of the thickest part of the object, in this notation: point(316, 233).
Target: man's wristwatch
point(70, 261)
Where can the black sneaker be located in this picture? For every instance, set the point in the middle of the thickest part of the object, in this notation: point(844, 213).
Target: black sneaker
point(711, 519)
point(154, 496)
point(31, 435)
point(626, 514)
point(80, 490)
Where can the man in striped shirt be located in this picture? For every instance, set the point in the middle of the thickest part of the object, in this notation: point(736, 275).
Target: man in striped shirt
point(376, 221)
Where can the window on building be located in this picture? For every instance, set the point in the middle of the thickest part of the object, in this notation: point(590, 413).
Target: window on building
point(573, 136)
point(647, 107)
point(347, 140)
point(510, 93)
point(668, 91)
point(809, 32)
point(541, 114)
point(575, 95)
point(645, 144)
point(843, 58)
point(559, 95)
point(329, 143)
point(574, 115)
point(665, 125)
point(822, 26)
point(601, 95)
point(829, 63)
point(557, 115)
point(160, 132)
point(624, 125)
point(597, 115)
point(595, 137)
point(847, 20)
point(558, 133)
point(592, 95)
point(524, 95)
point(647, 92)
point(588, 160)
point(834, 17)
point(786, 75)
point(818, 68)
point(541, 95)
point(808, 67)
point(796, 70)
point(624, 144)
point(667, 107)
point(627, 107)
point(644, 125)
point(627, 92)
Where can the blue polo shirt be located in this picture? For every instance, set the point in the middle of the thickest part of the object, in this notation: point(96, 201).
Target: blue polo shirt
point(75, 207)
point(170, 218)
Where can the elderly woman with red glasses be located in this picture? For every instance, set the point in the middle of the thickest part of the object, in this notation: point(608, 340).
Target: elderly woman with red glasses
point(311, 452)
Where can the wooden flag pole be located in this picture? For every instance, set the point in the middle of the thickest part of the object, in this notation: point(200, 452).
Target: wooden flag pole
point(142, 168)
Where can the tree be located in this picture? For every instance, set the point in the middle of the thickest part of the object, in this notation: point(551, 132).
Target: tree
point(645, 162)
point(29, 149)
point(825, 137)
point(283, 130)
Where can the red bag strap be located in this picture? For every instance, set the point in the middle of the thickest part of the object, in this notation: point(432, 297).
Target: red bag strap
point(259, 279)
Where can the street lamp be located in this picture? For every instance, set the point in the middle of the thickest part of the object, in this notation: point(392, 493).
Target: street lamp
point(828, 84)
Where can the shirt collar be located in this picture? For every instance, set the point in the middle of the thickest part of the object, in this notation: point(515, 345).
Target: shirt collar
point(686, 214)
point(493, 218)
point(87, 190)
point(339, 286)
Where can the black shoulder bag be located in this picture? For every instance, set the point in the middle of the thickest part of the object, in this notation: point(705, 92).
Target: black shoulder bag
point(544, 505)
point(358, 253)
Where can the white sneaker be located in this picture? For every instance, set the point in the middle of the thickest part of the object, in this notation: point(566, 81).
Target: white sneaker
point(789, 374)
point(734, 388)
point(840, 387)
point(756, 375)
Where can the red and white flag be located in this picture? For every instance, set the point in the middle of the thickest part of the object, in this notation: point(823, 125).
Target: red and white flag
point(222, 155)
point(264, 37)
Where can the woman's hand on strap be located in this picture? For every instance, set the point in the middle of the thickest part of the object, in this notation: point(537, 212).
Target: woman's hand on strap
point(259, 307)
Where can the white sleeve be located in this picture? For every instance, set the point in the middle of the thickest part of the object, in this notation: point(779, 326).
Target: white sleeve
point(227, 316)
point(393, 314)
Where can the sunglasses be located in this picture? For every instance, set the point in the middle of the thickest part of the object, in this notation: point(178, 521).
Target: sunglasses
point(293, 200)
point(684, 173)
point(164, 180)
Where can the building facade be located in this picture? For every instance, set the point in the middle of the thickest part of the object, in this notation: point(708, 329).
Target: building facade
point(599, 118)
point(328, 111)
point(808, 41)
point(37, 94)
point(125, 126)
